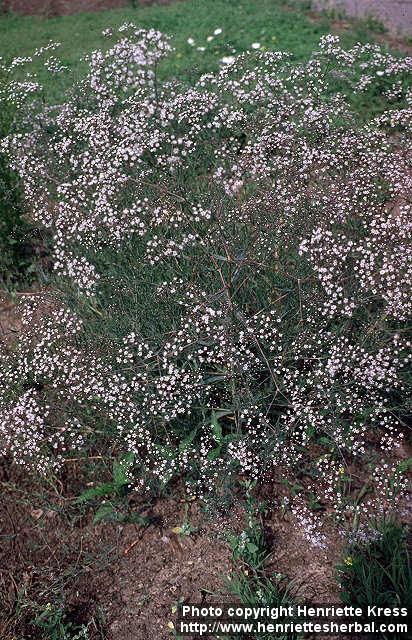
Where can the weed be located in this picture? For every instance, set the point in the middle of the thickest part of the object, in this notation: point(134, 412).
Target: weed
point(55, 626)
point(375, 569)
point(249, 582)
point(115, 507)
point(373, 24)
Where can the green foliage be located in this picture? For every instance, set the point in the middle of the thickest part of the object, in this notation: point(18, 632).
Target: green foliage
point(249, 582)
point(373, 24)
point(50, 621)
point(115, 507)
point(376, 569)
point(249, 547)
point(16, 251)
point(55, 626)
point(258, 590)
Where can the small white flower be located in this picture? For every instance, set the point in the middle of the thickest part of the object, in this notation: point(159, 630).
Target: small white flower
point(217, 32)
point(190, 41)
point(256, 45)
point(227, 60)
point(209, 38)
point(201, 48)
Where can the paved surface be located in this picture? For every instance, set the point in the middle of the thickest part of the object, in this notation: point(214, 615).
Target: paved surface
point(395, 14)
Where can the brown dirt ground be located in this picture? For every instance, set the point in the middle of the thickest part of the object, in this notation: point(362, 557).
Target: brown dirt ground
point(10, 323)
point(50, 8)
point(134, 576)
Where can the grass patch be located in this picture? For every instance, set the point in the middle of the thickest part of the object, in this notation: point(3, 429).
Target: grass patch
point(272, 23)
point(376, 568)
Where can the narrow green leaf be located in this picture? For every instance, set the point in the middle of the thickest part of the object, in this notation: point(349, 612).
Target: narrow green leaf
point(106, 510)
point(121, 468)
point(213, 454)
point(188, 440)
point(216, 428)
point(96, 492)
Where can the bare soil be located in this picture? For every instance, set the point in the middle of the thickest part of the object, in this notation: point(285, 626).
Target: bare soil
point(49, 8)
point(133, 575)
point(164, 567)
point(50, 552)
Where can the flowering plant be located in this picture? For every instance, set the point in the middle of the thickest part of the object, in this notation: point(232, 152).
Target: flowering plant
point(233, 262)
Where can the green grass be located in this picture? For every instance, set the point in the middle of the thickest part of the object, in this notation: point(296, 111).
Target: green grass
point(249, 582)
point(273, 23)
point(378, 572)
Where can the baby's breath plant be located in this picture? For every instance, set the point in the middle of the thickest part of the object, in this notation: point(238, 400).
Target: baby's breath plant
point(233, 267)
point(13, 261)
